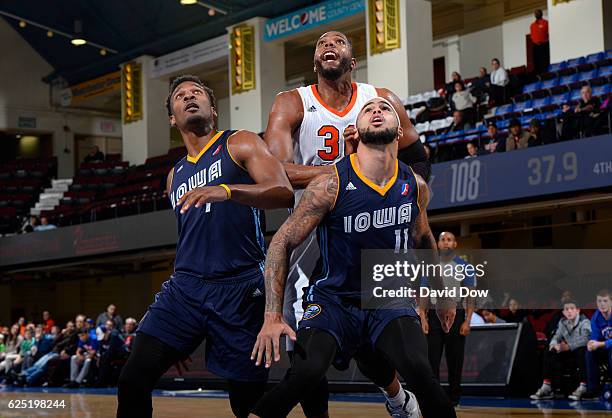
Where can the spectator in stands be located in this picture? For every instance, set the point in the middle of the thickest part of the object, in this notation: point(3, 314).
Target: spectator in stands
point(30, 224)
point(44, 225)
point(567, 345)
point(111, 313)
point(476, 319)
point(450, 86)
point(94, 156)
point(517, 139)
point(539, 39)
point(2, 346)
point(495, 142)
point(25, 348)
point(490, 316)
point(599, 347)
point(63, 346)
point(129, 333)
point(472, 150)
point(12, 349)
point(514, 313)
point(464, 101)
point(459, 123)
point(22, 325)
point(482, 83)
point(48, 322)
point(535, 131)
point(111, 353)
point(587, 113)
point(499, 81)
point(80, 362)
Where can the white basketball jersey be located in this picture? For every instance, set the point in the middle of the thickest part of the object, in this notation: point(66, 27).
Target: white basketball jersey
point(320, 139)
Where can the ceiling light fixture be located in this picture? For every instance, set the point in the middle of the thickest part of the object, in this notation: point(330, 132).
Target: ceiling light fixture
point(51, 32)
point(211, 12)
point(188, 2)
point(78, 38)
point(103, 52)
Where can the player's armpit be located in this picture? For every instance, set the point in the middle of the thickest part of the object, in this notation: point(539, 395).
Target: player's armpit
point(285, 117)
point(272, 188)
point(421, 234)
point(410, 135)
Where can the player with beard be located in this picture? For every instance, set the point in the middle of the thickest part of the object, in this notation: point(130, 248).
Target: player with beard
point(334, 325)
point(309, 129)
point(216, 290)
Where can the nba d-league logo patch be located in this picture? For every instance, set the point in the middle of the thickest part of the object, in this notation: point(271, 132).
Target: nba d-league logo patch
point(405, 189)
point(311, 311)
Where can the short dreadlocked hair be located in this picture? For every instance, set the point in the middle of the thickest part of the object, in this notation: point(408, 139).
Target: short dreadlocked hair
point(187, 77)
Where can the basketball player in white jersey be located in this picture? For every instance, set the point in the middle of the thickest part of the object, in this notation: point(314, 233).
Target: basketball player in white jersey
point(309, 129)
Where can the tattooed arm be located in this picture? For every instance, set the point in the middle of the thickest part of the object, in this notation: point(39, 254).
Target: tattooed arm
point(318, 199)
point(423, 239)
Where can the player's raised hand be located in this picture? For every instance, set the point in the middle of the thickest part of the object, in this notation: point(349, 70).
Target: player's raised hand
point(351, 139)
point(201, 195)
point(268, 341)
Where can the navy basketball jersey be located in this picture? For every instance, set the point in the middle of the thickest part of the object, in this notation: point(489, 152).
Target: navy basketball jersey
point(218, 239)
point(365, 216)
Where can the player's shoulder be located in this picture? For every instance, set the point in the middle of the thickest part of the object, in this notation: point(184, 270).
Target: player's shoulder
point(289, 96)
point(242, 137)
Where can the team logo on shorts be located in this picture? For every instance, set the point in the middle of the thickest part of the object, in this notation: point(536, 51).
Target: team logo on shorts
point(405, 189)
point(311, 311)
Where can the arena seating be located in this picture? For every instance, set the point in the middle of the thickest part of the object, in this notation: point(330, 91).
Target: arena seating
point(112, 189)
point(541, 99)
point(20, 183)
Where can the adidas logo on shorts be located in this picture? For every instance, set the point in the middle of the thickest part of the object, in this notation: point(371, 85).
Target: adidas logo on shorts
point(350, 186)
point(256, 293)
point(312, 109)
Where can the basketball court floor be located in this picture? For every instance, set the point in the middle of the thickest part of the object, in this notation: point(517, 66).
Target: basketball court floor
point(101, 403)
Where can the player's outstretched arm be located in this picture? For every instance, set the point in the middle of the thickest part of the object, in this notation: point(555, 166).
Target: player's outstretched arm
point(285, 117)
point(423, 239)
point(271, 190)
point(318, 199)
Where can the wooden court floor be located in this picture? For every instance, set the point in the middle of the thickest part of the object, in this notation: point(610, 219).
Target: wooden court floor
point(103, 406)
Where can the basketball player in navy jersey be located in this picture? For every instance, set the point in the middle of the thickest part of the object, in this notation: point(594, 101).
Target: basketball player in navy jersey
point(216, 290)
point(309, 129)
point(334, 324)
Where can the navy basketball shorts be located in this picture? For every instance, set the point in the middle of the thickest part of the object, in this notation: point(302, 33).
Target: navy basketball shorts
point(349, 324)
point(227, 312)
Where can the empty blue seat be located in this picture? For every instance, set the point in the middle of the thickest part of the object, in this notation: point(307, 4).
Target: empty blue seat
point(502, 124)
point(503, 110)
point(557, 66)
point(568, 79)
point(530, 88)
point(574, 62)
point(541, 102)
point(520, 106)
point(608, 53)
point(560, 99)
point(549, 84)
point(593, 58)
point(587, 75)
point(575, 95)
point(526, 120)
point(605, 71)
point(601, 90)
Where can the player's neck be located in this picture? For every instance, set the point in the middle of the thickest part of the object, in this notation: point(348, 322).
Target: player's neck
point(336, 93)
point(377, 162)
point(196, 140)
